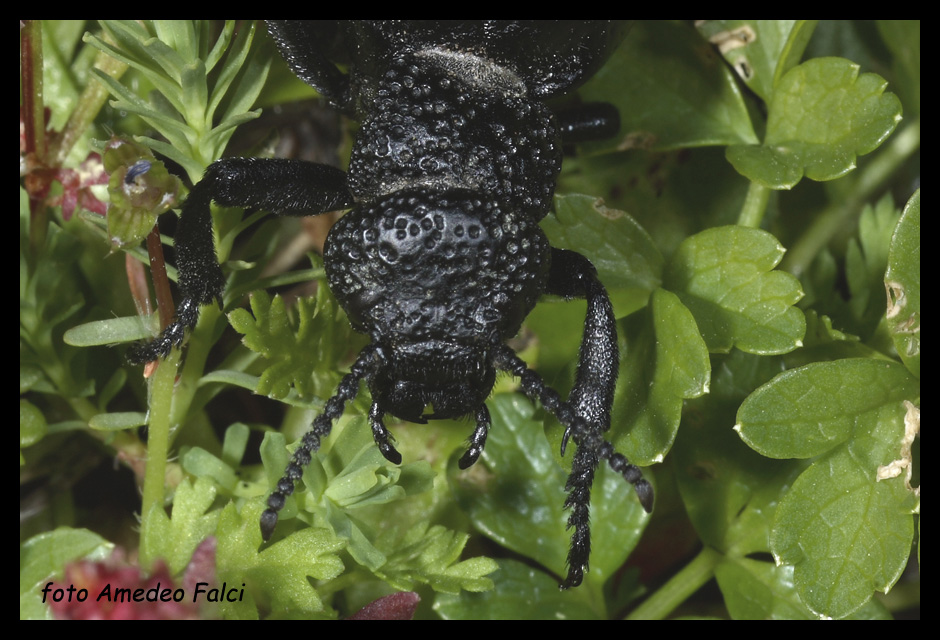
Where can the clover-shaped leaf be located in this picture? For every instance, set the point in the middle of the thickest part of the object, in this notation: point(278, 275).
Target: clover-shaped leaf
point(515, 495)
point(845, 526)
point(725, 277)
point(822, 115)
point(624, 254)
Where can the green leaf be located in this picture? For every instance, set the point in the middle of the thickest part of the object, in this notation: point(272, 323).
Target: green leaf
point(823, 114)
point(725, 277)
point(666, 362)
point(368, 479)
point(806, 412)
point(302, 345)
point(730, 492)
point(117, 421)
point(902, 37)
point(350, 476)
point(175, 537)
point(515, 495)
point(846, 534)
point(521, 593)
point(281, 570)
point(760, 51)
point(169, 54)
point(755, 590)
point(203, 464)
point(110, 331)
point(33, 426)
point(44, 557)
point(866, 260)
point(431, 555)
point(626, 259)
point(846, 531)
point(181, 36)
point(271, 333)
point(902, 281)
point(670, 95)
point(250, 73)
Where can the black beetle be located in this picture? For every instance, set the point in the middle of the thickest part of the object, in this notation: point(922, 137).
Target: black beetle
point(441, 257)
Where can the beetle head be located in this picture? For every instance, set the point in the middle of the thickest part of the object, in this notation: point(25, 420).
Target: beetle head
point(454, 379)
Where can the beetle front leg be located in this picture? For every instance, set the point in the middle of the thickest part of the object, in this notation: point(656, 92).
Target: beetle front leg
point(578, 486)
point(586, 414)
point(573, 276)
point(592, 448)
point(283, 187)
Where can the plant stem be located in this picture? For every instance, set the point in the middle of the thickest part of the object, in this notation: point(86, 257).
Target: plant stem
point(161, 284)
point(679, 587)
point(158, 438)
point(200, 343)
point(755, 205)
point(87, 108)
point(868, 182)
point(34, 124)
point(31, 74)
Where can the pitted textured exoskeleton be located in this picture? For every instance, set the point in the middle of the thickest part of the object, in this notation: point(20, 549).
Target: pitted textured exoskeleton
point(441, 256)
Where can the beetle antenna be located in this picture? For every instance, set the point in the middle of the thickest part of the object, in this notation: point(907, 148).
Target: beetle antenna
point(584, 436)
point(348, 388)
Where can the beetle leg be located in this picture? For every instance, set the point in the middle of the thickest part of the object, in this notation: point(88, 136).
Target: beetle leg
point(586, 414)
point(573, 276)
point(578, 487)
point(381, 435)
point(592, 448)
point(364, 367)
point(477, 439)
point(300, 43)
point(284, 187)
